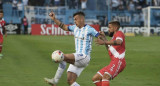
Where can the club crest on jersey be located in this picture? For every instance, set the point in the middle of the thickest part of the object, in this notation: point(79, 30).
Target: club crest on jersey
point(79, 54)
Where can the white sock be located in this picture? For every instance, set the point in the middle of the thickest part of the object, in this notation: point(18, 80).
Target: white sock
point(60, 71)
point(75, 84)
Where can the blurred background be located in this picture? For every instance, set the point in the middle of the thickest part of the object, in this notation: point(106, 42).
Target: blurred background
point(128, 12)
point(33, 36)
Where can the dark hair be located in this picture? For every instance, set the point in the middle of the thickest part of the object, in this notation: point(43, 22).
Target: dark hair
point(1, 11)
point(79, 13)
point(115, 23)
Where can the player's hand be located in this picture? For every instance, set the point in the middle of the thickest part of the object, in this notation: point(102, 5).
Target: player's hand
point(99, 41)
point(102, 35)
point(52, 15)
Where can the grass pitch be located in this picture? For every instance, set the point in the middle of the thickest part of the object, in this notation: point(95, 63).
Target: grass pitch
point(27, 61)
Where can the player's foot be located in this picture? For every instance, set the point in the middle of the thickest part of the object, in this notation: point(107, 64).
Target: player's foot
point(50, 81)
point(1, 56)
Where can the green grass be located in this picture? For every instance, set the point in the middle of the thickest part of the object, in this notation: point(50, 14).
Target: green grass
point(27, 61)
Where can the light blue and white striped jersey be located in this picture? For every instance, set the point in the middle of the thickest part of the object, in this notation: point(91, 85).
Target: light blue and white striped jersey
point(83, 38)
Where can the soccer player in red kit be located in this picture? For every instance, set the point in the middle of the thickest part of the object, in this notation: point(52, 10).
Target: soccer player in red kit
point(116, 50)
point(2, 30)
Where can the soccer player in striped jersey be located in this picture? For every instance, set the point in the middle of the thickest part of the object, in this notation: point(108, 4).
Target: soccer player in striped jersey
point(116, 50)
point(2, 30)
point(83, 34)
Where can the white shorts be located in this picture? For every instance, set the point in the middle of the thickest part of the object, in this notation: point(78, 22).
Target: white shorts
point(81, 61)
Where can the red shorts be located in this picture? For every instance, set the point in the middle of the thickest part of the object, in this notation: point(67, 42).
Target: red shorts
point(1, 38)
point(114, 68)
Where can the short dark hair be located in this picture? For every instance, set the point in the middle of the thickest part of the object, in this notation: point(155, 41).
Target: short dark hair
point(79, 13)
point(115, 23)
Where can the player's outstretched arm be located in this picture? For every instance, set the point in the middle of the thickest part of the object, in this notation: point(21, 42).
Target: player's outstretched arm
point(60, 24)
point(115, 42)
point(106, 42)
point(102, 35)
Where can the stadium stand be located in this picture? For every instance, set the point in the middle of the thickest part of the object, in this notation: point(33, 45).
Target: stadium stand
point(96, 9)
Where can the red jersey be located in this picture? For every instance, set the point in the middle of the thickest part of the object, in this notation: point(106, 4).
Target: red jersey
point(117, 54)
point(2, 24)
point(117, 51)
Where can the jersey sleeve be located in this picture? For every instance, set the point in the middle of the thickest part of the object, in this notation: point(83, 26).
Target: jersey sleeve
point(93, 32)
point(119, 36)
point(71, 28)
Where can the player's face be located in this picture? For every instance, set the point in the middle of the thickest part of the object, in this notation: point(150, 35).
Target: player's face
point(110, 30)
point(78, 20)
point(1, 15)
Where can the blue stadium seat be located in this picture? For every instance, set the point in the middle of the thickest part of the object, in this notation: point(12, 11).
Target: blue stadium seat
point(7, 8)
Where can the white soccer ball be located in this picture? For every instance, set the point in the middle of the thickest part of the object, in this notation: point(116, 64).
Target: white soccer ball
point(57, 56)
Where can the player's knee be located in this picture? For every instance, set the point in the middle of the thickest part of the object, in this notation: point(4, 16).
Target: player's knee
point(96, 78)
point(106, 77)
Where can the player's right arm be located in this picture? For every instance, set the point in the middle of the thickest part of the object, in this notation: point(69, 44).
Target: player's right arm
point(60, 24)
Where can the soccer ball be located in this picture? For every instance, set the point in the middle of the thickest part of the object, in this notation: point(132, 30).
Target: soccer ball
point(57, 56)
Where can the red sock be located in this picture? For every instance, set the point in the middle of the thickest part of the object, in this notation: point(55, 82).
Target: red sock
point(98, 83)
point(0, 48)
point(105, 82)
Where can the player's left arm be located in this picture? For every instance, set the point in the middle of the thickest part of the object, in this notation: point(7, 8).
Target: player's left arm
point(60, 24)
point(113, 42)
point(118, 40)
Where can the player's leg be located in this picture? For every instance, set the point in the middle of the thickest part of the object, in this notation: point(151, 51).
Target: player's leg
point(69, 58)
point(71, 78)
point(73, 73)
point(79, 60)
point(77, 65)
point(103, 76)
point(112, 70)
point(1, 45)
point(58, 74)
point(105, 79)
point(1, 50)
point(97, 79)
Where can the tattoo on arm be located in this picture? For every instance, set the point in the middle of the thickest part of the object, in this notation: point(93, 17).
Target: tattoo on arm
point(61, 25)
point(114, 42)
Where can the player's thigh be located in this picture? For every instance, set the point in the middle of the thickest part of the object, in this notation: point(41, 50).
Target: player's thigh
point(1, 39)
point(113, 69)
point(74, 69)
point(81, 60)
point(69, 58)
point(119, 66)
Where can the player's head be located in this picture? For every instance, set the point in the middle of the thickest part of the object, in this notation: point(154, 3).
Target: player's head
point(113, 27)
point(79, 19)
point(1, 14)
